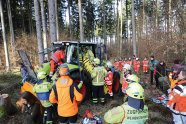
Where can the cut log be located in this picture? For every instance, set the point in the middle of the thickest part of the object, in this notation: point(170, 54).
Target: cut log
point(6, 106)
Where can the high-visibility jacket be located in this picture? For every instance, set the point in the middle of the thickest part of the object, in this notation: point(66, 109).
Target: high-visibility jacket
point(116, 65)
point(66, 94)
point(171, 76)
point(126, 115)
point(145, 63)
point(109, 78)
point(42, 89)
point(134, 62)
point(138, 64)
point(129, 62)
point(58, 56)
point(124, 83)
point(89, 54)
point(177, 99)
point(98, 74)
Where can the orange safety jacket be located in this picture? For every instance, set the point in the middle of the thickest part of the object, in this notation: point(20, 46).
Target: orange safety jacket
point(138, 64)
point(116, 65)
point(109, 78)
point(177, 99)
point(124, 83)
point(66, 94)
point(171, 76)
point(145, 63)
point(129, 62)
point(134, 62)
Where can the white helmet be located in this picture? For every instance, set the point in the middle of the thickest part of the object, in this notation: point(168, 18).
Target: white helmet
point(137, 58)
point(109, 64)
point(127, 66)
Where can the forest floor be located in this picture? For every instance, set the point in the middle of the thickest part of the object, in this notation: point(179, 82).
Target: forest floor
point(158, 114)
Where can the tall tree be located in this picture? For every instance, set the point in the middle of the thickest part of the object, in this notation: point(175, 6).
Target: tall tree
point(121, 43)
point(117, 30)
point(81, 21)
point(4, 37)
point(133, 29)
point(44, 26)
point(57, 27)
point(11, 30)
point(70, 19)
point(104, 23)
point(52, 21)
point(38, 29)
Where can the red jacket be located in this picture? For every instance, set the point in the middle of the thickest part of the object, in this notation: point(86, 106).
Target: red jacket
point(138, 64)
point(145, 63)
point(58, 56)
point(109, 78)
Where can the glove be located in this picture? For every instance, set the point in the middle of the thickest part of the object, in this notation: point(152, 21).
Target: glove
point(49, 78)
point(80, 84)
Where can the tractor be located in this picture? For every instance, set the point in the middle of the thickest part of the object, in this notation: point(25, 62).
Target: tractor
point(80, 67)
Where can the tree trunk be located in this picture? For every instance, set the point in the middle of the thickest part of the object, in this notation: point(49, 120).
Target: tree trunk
point(81, 21)
point(44, 27)
point(52, 21)
point(104, 23)
point(70, 20)
point(38, 29)
point(121, 23)
point(133, 29)
point(143, 30)
point(4, 37)
point(57, 27)
point(6, 106)
point(11, 31)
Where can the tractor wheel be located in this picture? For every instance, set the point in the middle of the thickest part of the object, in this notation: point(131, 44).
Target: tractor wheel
point(115, 85)
point(86, 87)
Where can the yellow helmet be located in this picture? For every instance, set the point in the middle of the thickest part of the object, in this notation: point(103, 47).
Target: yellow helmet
point(96, 61)
point(41, 75)
point(132, 79)
point(135, 90)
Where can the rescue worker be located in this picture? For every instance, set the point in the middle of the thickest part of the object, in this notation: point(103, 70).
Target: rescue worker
point(109, 78)
point(134, 63)
point(137, 65)
point(56, 60)
point(145, 65)
point(42, 89)
point(116, 64)
point(127, 72)
point(66, 94)
point(132, 112)
point(129, 62)
point(87, 53)
point(152, 63)
point(177, 100)
point(98, 74)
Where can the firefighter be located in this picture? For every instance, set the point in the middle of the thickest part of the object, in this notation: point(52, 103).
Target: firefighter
point(145, 65)
point(98, 75)
point(87, 53)
point(42, 89)
point(66, 94)
point(116, 64)
point(129, 62)
point(56, 60)
point(109, 78)
point(134, 63)
point(132, 112)
point(177, 100)
point(127, 72)
point(137, 65)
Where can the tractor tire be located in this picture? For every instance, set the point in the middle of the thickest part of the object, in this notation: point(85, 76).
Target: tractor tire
point(115, 85)
point(86, 87)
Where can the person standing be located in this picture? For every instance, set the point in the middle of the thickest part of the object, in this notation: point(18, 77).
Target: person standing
point(66, 94)
point(145, 65)
point(137, 65)
point(152, 63)
point(98, 75)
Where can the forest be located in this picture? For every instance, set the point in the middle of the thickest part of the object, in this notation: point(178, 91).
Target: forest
point(154, 27)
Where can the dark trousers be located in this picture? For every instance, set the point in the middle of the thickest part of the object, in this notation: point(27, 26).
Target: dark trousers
point(151, 77)
point(48, 115)
point(98, 92)
point(157, 82)
point(71, 119)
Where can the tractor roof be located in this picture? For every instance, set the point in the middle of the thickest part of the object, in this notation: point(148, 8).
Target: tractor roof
point(73, 42)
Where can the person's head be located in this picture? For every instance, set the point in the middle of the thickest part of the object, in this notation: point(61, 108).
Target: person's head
point(129, 58)
point(132, 79)
point(108, 66)
point(182, 75)
point(126, 68)
point(96, 62)
point(64, 70)
point(145, 58)
point(161, 62)
point(152, 58)
point(28, 98)
point(137, 59)
point(84, 49)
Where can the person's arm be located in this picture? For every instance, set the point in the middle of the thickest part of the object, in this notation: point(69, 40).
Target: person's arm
point(94, 73)
point(91, 55)
point(52, 97)
point(77, 94)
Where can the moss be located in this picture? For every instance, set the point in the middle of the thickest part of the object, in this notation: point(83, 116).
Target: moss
point(3, 111)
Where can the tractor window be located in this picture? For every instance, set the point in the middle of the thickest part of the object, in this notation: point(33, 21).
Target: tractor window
point(72, 54)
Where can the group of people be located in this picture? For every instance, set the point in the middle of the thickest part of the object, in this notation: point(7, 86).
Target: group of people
point(65, 94)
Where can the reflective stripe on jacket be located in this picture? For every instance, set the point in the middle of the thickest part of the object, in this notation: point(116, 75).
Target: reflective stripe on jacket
point(98, 74)
point(145, 63)
point(57, 56)
point(109, 78)
point(124, 83)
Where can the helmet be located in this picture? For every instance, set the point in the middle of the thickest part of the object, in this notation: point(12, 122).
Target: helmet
point(96, 61)
point(41, 75)
point(132, 79)
point(135, 90)
point(137, 58)
point(109, 64)
point(127, 66)
point(63, 71)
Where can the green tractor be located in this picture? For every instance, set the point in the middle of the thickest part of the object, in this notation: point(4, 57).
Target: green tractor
point(80, 66)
